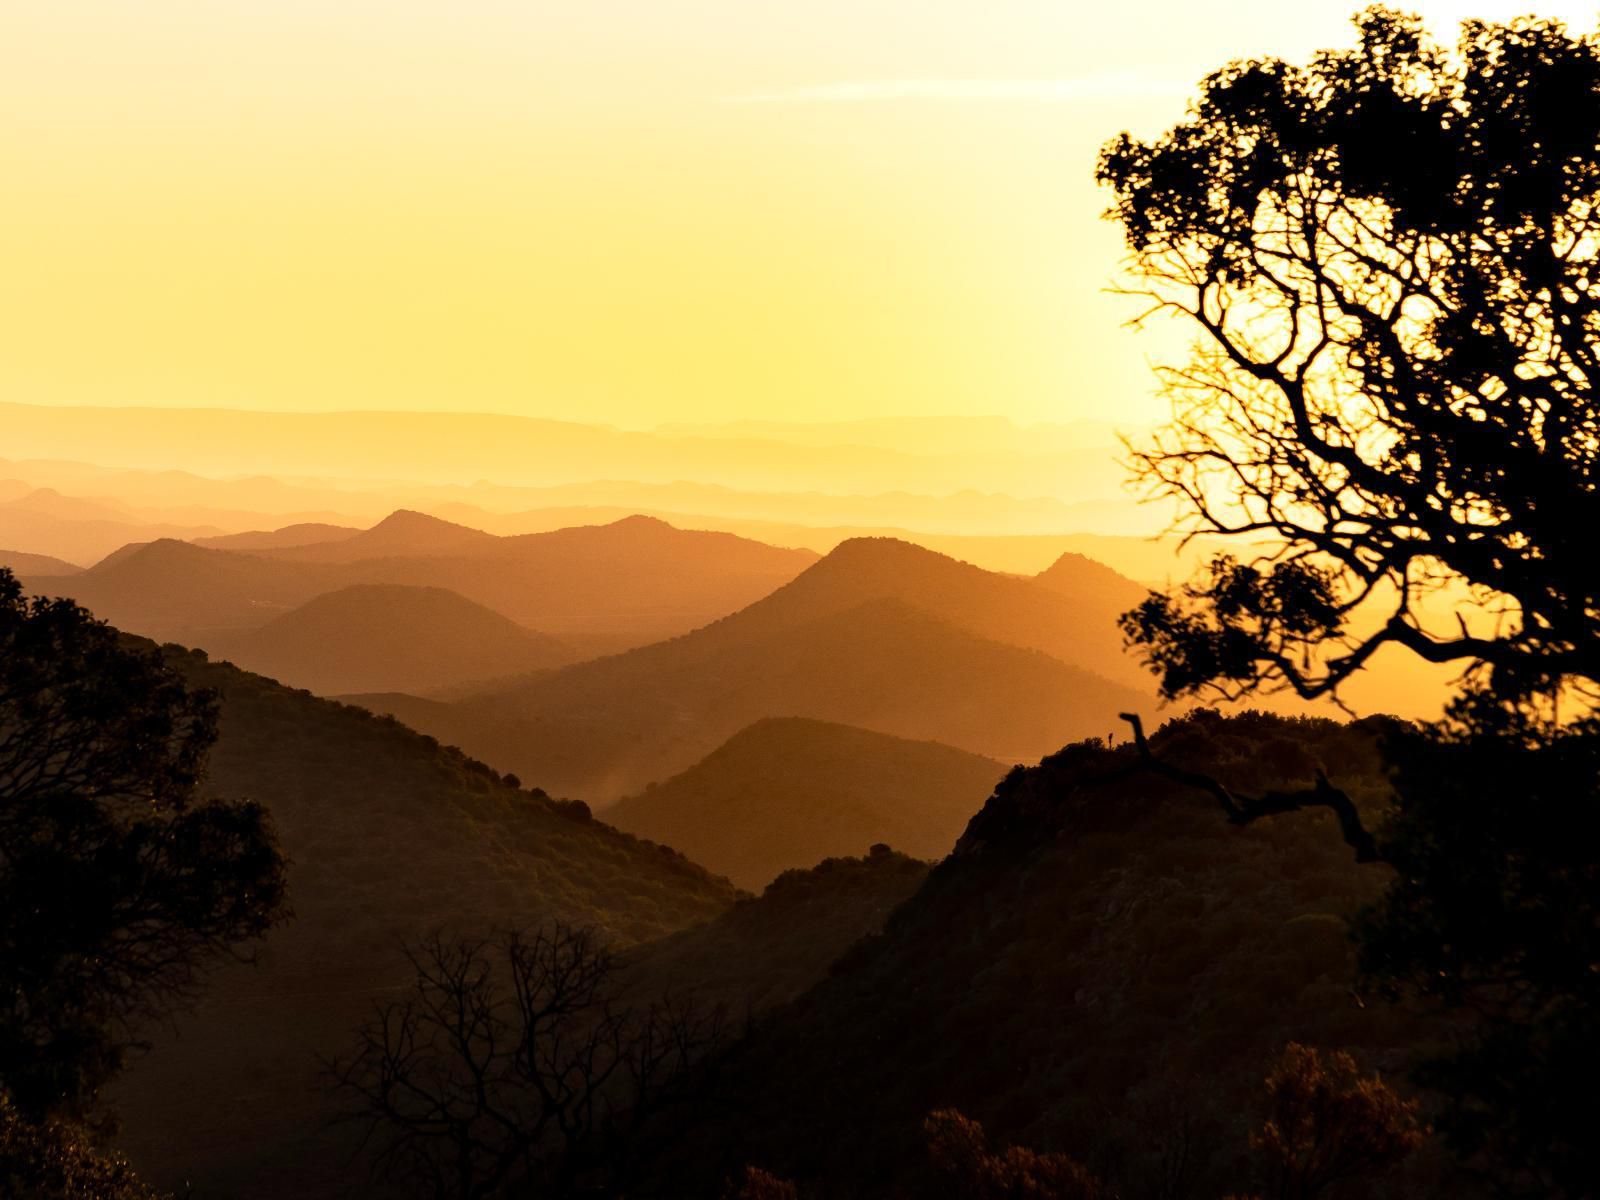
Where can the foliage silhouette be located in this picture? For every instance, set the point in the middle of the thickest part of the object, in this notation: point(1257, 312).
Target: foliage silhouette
point(961, 1154)
point(1328, 1125)
point(117, 881)
point(1389, 256)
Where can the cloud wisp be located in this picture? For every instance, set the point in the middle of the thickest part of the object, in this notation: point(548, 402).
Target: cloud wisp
point(1103, 86)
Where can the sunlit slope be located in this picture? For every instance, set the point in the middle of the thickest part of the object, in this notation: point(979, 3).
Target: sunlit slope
point(389, 837)
point(1097, 968)
point(788, 792)
point(389, 637)
point(606, 728)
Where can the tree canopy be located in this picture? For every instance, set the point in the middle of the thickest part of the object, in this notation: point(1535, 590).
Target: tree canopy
point(1390, 259)
point(118, 880)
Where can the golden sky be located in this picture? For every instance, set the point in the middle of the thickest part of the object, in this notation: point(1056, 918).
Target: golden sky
point(633, 212)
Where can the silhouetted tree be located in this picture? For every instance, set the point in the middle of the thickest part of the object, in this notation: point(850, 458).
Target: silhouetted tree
point(118, 882)
point(1495, 913)
point(961, 1153)
point(1391, 261)
point(1391, 258)
point(508, 1067)
point(1327, 1124)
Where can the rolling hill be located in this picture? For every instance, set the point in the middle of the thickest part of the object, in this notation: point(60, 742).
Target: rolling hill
point(389, 837)
point(608, 727)
point(788, 792)
point(170, 590)
point(387, 637)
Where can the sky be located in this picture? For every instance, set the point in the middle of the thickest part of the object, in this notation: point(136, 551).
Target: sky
point(631, 212)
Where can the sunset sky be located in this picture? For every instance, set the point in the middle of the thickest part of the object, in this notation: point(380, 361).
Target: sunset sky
point(631, 212)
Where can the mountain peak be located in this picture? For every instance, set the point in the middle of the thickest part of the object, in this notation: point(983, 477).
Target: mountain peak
point(409, 520)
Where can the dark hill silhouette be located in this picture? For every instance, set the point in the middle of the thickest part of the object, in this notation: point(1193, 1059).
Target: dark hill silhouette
point(767, 949)
point(305, 534)
point(1102, 969)
point(25, 565)
point(389, 837)
point(787, 792)
point(606, 728)
point(387, 637)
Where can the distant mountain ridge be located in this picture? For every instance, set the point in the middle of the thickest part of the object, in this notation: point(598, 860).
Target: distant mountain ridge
point(630, 582)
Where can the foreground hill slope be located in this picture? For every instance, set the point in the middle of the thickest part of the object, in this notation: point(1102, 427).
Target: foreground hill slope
point(607, 728)
point(767, 949)
point(388, 637)
point(787, 792)
point(389, 837)
point(1099, 967)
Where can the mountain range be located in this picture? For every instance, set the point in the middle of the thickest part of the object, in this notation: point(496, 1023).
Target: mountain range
point(626, 583)
point(879, 634)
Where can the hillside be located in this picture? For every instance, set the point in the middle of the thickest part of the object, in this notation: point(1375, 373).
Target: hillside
point(385, 637)
point(788, 792)
point(389, 837)
point(36, 564)
point(606, 728)
point(1102, 968)
point(767, 949)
